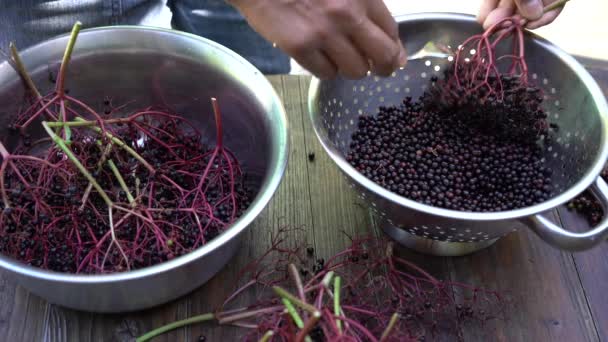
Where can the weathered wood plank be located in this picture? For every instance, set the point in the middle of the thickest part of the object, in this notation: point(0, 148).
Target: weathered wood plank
point(547, 302)
point(28, 318)
point(592, 267)
point(336, 213)
point(290, 207)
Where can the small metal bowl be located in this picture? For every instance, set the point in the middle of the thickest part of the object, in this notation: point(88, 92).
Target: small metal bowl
point(153, 66)
point(577, 154)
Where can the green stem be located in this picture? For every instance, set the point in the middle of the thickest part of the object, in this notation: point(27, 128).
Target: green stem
point(327, 279)
point(100, 162)
point(337, 309)
point(267, 336)
point(293, 313)
point(124, 146)
point(121, 181)
point(284, 294)
point(172, 326)
point(23, 71)
point(389, 327)
point(84, 123)
point(66, 58)
point(61, 144)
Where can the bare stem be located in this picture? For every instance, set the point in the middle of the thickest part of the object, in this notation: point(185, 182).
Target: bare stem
point(114, 239)
point(389, 327)
point(218, 122)
point(310, 324)
point(296, 279)
point(61, 144)
point(267, 336)
point(124, 146)
point(172, 326)
point(84, 123)
point(327, 279)
point(122, 182)
point(102, 160)
point(293, 313)
point(66, 58)
point(337, 309)
point(286, 295)
point(23, 71)
point(3, 151)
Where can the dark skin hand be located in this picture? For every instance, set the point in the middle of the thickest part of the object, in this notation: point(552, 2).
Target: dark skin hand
point(492, 11)
point(330, 37)
point(351, 37)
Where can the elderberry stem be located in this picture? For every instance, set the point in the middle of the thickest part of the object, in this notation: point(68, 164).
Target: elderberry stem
point(389, 327)
point(84, 123)
point(267, 336)
point(3, 151)
point(327, 279)
point(296, 279)
point(337, 309)
point(310, 324)
point(61, 144)
point(66, 58)
point(284, 294)
point(172, 326)
point(218, 122)
point(114, 239)
point(23, 71)
point(293, 313)
point(100, 162)
point(121, 182)
point(124, 146)
point(5, 200)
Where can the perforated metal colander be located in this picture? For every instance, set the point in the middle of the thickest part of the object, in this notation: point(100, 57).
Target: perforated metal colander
point(576, 154)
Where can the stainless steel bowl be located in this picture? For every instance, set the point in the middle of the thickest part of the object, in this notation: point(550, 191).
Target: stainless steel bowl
point(577, 155)
point(182, 71)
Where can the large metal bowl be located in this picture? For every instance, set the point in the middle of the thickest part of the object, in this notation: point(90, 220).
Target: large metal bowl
point(577, 154)
point(182, 71)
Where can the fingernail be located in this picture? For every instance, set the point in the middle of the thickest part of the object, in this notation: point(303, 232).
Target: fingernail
point(402, 57)
point(531, 9)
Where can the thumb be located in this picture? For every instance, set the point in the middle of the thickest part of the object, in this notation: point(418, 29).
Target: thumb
point(530, 9)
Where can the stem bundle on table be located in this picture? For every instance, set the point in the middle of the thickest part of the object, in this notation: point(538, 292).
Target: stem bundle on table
point(363, 293)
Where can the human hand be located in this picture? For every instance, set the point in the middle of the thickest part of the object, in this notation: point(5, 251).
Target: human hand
point(492, 11)
point(329, 37)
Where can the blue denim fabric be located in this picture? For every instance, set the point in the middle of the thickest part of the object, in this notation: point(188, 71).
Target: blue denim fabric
point(27, 22)
point(220, 22)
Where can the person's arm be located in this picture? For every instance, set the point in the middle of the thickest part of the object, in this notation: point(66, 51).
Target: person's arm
point(493, 11)
point(330, 37)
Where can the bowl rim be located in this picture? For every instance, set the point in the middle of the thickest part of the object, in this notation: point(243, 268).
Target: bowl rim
point(278, 166)
point(589, 177)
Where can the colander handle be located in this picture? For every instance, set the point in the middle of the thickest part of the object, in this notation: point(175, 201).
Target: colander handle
point(570, 241)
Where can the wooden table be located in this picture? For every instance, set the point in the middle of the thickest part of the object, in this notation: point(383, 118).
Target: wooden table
point(556, 296)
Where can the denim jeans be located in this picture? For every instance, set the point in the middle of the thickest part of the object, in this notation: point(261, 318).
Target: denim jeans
point(27, 22)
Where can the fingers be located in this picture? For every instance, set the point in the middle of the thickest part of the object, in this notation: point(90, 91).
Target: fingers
point(487, 6)
point(350, 62)
point(530, 9)
point(318, 64)
point(381, 16)
point(546, 19)
point(497, 15)
point(384, 53)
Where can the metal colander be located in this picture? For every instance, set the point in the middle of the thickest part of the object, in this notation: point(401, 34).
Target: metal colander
point(576, 153)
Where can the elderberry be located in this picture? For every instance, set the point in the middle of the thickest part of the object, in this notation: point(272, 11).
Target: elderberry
point(466, 156)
